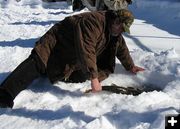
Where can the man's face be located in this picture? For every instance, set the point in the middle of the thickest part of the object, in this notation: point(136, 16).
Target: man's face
point(116, 28)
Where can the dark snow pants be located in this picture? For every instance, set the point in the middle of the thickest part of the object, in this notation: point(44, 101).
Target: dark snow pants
point(32, 68)
point(29, 70)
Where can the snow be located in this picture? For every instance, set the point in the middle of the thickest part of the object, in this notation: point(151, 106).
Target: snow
point(154, 44)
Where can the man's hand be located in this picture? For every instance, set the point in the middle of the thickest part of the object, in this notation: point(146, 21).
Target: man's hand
point(136, 69)
point(95, 85)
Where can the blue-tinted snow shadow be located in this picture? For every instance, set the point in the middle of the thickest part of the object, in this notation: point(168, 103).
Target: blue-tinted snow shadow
point(56, 5)
point(158, 18)
point(61, 12)
point(35, 4)
point(50, 115)
point(139, 43)
point(43, 85)
point(127, 119)
point(19, 42)
point(143, 46)
point(42, 23)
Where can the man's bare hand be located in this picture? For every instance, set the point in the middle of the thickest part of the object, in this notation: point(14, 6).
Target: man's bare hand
point(136, 69)
point(95, 85)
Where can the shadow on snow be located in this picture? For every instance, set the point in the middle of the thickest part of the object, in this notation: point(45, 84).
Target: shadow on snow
point(19, 42)
point(162, 19)
point(42, 23)
point(126, 119)
point(44, 114)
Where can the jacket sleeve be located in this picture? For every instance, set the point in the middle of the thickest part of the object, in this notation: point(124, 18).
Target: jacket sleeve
point(85, 43)
point(123, 54)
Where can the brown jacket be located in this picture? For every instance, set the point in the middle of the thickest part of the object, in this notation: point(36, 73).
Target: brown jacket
point(82, 42)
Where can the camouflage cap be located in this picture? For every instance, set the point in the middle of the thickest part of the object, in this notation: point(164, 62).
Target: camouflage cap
point(126, 17)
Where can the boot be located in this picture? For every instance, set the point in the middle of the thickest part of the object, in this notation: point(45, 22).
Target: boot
point(6, 101)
